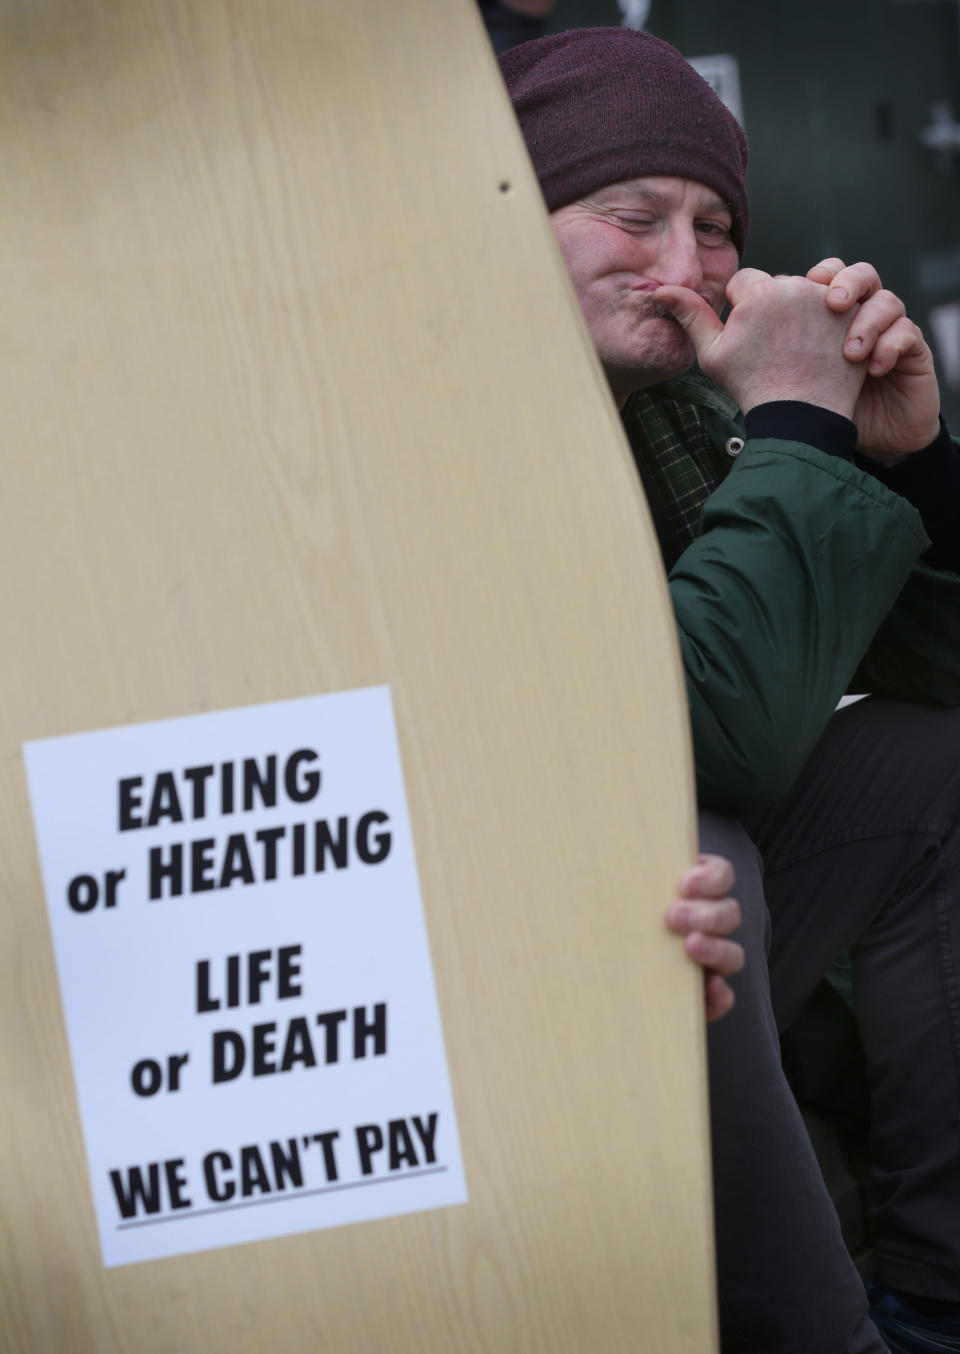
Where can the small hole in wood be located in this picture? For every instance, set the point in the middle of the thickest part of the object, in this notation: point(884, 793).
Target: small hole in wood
point(506, 186)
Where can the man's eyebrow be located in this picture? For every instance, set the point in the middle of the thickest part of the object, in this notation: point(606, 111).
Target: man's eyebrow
point(640, 192)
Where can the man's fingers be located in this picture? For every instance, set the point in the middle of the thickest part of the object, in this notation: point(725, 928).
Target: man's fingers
point(825, 271)
point(741, 283)
point(706, 922)
point(871, 323)
point(901, 344)
point(846, 284)
point(714, 953)
point(696, 315)
point(716, 918)
point(718, 995)
point(711, 877)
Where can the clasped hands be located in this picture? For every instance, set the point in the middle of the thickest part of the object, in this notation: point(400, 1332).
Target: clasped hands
point(834, 338)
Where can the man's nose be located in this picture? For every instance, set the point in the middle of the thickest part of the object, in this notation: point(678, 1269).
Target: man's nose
point(678, 263)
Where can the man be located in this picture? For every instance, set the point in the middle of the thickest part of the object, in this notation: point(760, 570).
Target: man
point(807, 503)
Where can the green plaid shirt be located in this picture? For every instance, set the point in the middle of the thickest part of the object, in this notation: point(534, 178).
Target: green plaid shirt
point(678, 432)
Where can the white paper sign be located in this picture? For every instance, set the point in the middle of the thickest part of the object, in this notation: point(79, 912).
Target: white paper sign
point(245, 974)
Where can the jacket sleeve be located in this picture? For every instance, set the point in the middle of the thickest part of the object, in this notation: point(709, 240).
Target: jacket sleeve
point(800, 559)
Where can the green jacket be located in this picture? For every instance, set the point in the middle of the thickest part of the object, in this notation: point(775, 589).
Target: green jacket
point(804, 582)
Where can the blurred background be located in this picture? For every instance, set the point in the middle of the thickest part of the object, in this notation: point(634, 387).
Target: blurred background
point(852, 110)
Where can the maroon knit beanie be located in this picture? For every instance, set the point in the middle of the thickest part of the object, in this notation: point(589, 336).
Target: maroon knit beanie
point(600, 105)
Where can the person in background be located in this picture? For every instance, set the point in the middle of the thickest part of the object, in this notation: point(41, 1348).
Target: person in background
point(806, 496)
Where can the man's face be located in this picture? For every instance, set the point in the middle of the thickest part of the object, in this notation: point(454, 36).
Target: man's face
point(622, 243)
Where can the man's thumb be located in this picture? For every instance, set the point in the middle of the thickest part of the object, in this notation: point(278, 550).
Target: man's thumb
point(696, 315)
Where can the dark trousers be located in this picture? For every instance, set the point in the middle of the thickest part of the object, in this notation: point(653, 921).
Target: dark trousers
point(860, 856)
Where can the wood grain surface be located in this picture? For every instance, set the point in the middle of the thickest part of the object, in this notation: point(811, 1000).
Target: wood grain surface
point(296, 399)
